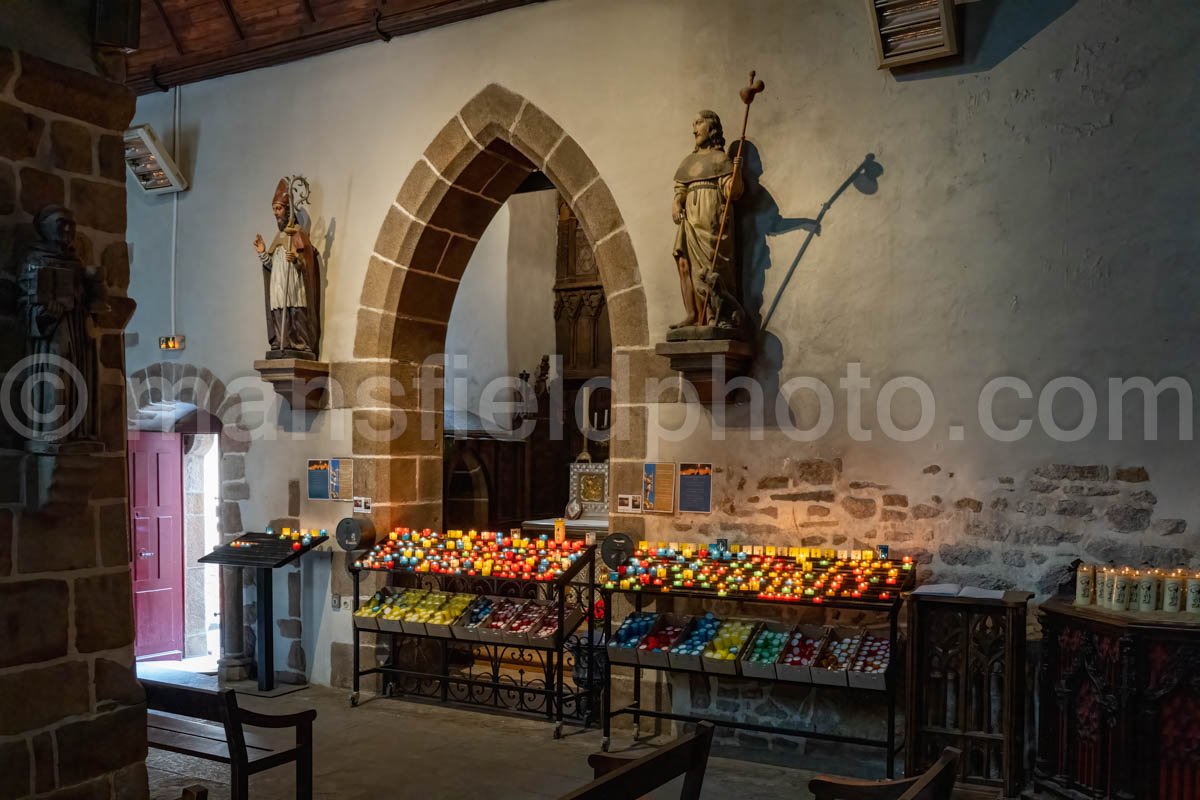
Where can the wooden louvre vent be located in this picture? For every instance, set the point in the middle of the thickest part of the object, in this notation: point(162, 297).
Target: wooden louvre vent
point(910, 31)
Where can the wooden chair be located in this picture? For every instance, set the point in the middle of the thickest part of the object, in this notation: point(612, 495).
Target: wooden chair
point(936, 783)
point(624, 778)
point(226, 742)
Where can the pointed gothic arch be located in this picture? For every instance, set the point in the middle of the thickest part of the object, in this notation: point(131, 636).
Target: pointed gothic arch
point(471, 168)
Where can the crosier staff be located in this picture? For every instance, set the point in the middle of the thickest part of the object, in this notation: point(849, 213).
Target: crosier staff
point(298, 192)
point(752, 90)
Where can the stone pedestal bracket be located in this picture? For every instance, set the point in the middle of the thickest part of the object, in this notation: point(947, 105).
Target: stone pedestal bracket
point(705, 363)
point(304, 384)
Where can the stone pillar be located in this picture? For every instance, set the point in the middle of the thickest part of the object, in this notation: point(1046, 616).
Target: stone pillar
point(234, 662)
point(72, 715)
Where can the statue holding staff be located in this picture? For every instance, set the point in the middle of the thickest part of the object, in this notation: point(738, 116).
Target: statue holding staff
point(707, 183)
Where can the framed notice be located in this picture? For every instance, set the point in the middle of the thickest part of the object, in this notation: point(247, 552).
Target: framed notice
point(341, 479)
point(695, 488)
point(658, 488)
point(318, 479)
point(629, 504)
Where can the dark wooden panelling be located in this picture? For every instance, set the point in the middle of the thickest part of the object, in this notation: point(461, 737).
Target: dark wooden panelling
point(192, 40)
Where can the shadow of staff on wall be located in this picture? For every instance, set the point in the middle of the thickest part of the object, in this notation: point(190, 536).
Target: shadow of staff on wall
point(760, 218)
point(864, 178)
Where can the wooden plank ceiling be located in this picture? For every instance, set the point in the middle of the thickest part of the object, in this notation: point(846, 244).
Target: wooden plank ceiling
point(192, 40)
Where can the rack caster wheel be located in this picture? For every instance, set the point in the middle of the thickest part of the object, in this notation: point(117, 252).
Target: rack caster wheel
point(604, 744)
point(558, 729)
point(353, 699)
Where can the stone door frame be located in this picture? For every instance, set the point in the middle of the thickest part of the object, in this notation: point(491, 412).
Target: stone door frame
point(171, 381)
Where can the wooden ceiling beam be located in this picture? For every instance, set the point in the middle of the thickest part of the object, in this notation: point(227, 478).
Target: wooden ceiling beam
point(166, 21)
point(304, 41)
point(237, 26)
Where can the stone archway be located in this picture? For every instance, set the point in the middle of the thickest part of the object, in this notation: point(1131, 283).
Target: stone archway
point(470, 169)
point(219, 412)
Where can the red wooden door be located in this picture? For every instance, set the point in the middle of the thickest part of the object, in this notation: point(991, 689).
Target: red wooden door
point(156, 502)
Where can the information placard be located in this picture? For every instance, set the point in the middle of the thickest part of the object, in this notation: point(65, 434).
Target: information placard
point(695, 488)
point(341, 479)
point(658, 488)
point(318, 479)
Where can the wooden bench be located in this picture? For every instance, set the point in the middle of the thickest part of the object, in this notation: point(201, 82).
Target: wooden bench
point(624, 778)
point(936, 783)
point(180, 719)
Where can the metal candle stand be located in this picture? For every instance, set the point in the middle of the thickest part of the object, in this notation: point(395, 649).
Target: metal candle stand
point(546, 694)
point(889, 691)
point(262, 552)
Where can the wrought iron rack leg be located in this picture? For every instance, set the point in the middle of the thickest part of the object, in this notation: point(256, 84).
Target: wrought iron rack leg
point(637, 684)
point(606, 697)
point(445, 669)
point(891, 695)
point(357, 635)
point(590, 651)
point(548, 670)
point(559, 657)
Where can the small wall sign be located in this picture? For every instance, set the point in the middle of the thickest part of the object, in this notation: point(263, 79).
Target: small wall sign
point(629, 504)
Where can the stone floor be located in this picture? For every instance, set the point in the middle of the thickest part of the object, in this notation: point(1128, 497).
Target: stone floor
point(398, 749)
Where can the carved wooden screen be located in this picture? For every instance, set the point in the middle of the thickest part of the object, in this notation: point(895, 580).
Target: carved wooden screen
point(581, 329)
point(580, 312)
point(966, 686)
point(1120, 704)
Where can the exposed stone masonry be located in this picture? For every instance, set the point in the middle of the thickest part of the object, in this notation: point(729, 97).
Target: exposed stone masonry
point(66, 608)
point(1011, 532)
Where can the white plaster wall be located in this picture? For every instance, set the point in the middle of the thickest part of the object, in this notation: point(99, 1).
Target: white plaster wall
point(1036, 216)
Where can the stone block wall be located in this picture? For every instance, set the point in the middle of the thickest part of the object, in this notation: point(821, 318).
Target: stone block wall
point(72, 716)
point(1009, 531)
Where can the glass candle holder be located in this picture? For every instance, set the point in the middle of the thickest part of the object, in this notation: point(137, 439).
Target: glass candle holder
point(1121, 591)
point(1173, 587)
point(1193, 594)
point(1147, 592)
point(1085, 578)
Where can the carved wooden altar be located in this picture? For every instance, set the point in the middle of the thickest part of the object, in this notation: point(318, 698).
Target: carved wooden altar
point(1120, 704)
point(966, 687)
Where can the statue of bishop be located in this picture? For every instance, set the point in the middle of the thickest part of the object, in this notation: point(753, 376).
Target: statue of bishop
point(291, 278)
